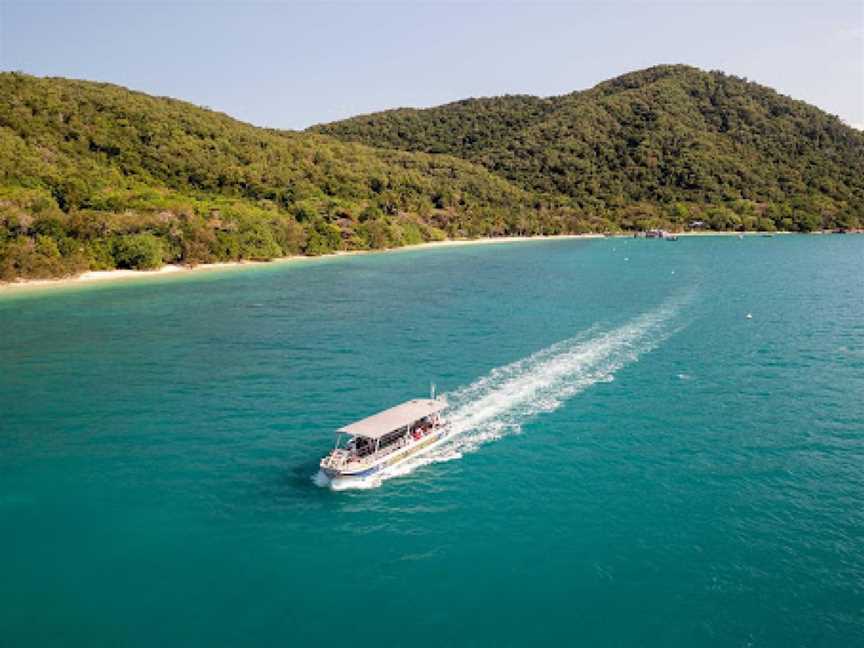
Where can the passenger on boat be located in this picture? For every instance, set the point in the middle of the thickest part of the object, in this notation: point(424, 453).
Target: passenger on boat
point(364, 447)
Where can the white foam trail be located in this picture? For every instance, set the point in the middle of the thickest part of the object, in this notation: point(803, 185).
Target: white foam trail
point(321, 479)
point(500, 402)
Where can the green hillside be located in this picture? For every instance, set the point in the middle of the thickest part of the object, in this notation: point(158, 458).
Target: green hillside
point(95, 176)
point(662, 145)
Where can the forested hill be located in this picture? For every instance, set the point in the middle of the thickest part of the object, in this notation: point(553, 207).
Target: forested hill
point(665, 143)
point(95, 176)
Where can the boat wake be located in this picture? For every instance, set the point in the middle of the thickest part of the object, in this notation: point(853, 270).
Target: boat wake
point(500, 402)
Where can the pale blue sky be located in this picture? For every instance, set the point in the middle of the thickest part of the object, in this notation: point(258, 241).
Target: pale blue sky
point(290, 65)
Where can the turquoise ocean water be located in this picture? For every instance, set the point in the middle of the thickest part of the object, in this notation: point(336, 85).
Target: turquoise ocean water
point(639, 463)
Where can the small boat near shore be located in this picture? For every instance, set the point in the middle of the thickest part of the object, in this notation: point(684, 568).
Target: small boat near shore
point(384, 440)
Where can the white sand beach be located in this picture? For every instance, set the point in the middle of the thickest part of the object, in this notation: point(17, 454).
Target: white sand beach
point(173, 269)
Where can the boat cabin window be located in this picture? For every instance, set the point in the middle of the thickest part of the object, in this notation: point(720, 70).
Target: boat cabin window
point(392, 437)
point(364, 446)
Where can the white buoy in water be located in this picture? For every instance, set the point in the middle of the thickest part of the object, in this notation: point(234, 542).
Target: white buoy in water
point(749, 316)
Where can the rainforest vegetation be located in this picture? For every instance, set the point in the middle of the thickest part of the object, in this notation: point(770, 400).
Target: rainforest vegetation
point(667, 144)
point(95, 176)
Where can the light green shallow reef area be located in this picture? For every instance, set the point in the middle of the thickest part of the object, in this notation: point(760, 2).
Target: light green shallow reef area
point(638, 462)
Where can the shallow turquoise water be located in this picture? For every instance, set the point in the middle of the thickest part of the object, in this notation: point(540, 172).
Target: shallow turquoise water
point(640, 464)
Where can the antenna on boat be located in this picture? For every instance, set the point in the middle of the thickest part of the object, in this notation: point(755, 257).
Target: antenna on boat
point(432, 391)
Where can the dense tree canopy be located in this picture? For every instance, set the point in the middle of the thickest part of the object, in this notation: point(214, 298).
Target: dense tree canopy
point(94, 176)
point(664, 142)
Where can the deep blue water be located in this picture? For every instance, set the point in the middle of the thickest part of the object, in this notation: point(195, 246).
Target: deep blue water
point(640, 464)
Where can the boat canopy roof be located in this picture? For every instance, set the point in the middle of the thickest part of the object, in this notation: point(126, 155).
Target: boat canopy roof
point(377, 425)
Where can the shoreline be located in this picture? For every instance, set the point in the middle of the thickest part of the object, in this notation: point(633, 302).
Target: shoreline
point(173, 269)
point(122, 275)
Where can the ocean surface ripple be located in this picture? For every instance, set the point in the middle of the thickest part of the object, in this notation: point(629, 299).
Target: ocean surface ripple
point(639, 463)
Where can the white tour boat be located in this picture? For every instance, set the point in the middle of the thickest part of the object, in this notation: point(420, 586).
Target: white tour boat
point(383, 440)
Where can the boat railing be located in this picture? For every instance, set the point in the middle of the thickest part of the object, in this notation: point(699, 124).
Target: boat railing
point(337, 458)
point(383, 452)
